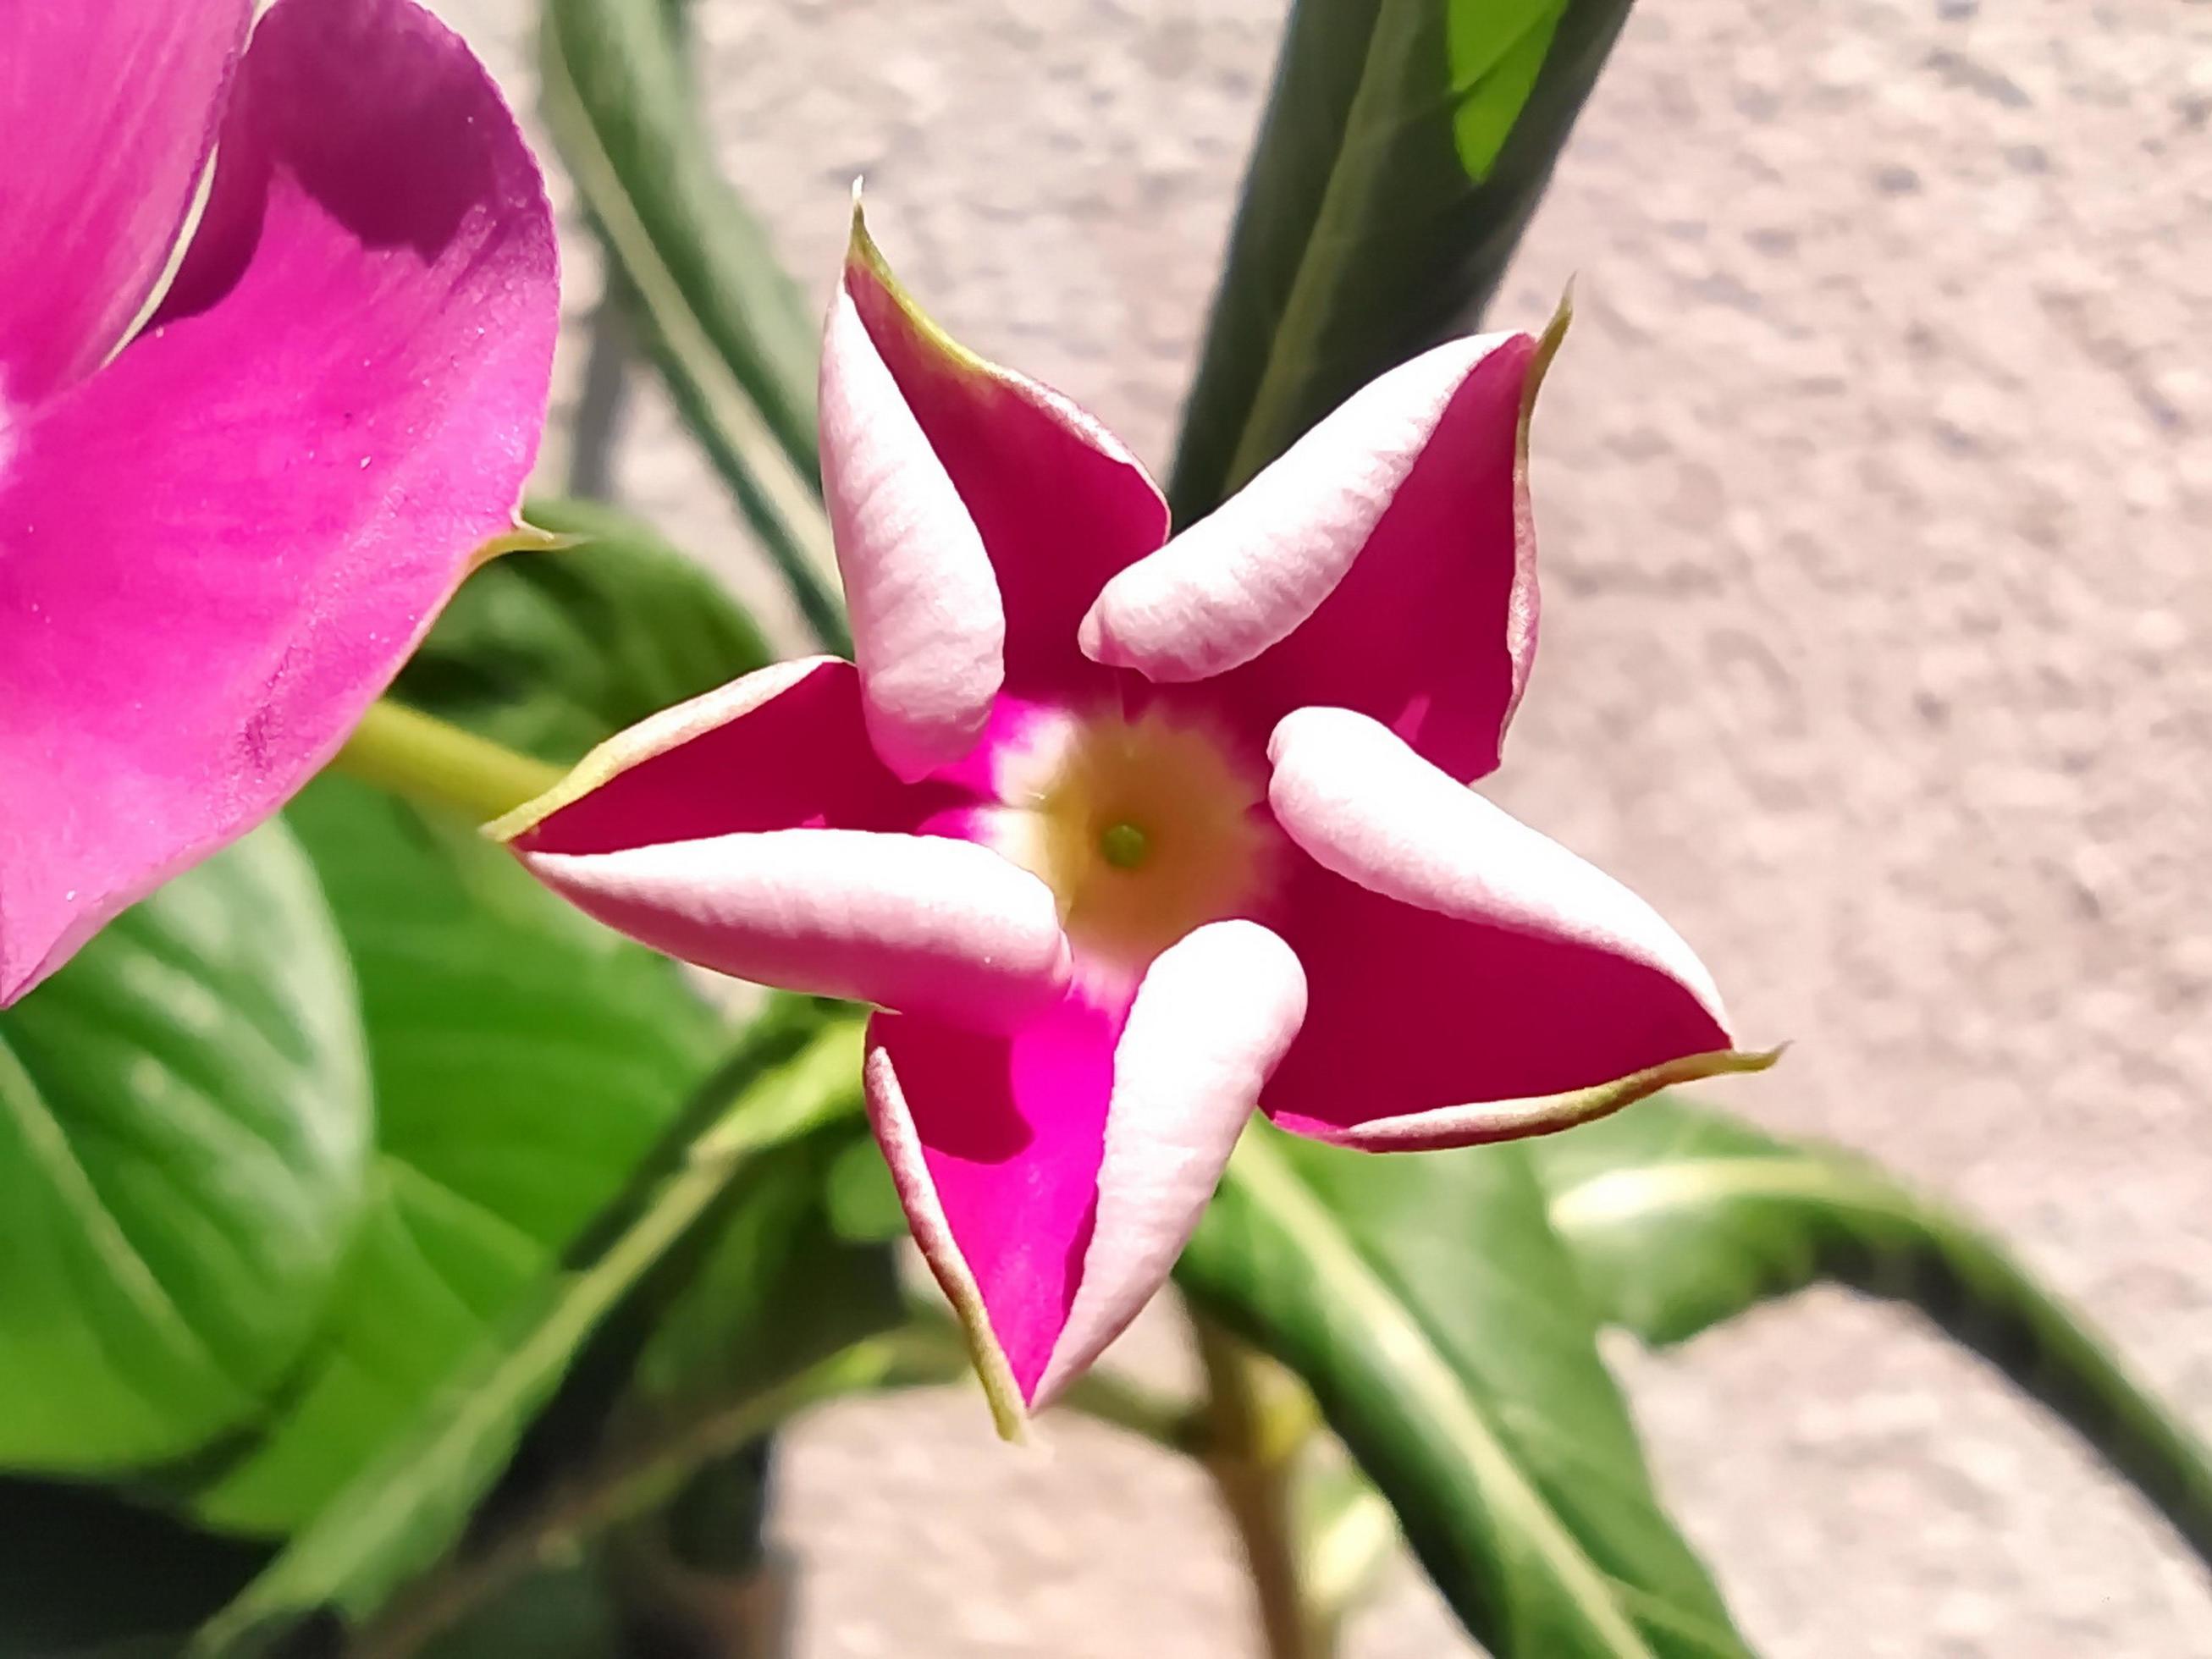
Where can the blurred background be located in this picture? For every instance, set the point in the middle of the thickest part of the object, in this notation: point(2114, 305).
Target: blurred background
point(1875, 490)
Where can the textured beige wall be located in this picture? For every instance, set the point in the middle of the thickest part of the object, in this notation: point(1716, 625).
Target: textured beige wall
point(1875, 491)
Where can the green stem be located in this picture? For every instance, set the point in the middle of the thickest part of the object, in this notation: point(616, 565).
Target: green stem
point(419, 756)
point(1347, 1542)
point(1257, 1420)
point(628, 1482)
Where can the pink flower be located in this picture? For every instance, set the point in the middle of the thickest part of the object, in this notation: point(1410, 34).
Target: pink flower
point(1124, 838)
point(222, 531)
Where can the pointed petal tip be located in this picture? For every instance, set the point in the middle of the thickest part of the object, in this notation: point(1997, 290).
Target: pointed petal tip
point(656, 734)
point(1540, 364)
point(860, 246)
point(523, 537)
point(894, 1126)
point(863, 256)
point(506, 827)
point(1598, 1000)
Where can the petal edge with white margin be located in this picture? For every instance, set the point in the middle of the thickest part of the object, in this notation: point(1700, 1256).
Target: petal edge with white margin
point(1213, 1015)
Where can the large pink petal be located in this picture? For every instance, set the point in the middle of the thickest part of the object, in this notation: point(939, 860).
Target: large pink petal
point(1385, 563)
point(1052, 1177)
point(107, 114)
point(215, 552)
point(755, 831)
point(1470, 979)
point(916, 426)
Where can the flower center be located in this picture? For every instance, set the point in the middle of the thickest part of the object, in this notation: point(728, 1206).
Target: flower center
point(1124, 846)
point(1143, 829)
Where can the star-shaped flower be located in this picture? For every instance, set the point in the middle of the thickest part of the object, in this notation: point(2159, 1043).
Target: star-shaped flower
point(1126, 838)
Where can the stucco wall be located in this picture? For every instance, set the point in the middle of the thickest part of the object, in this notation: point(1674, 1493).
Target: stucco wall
point(1876, 492)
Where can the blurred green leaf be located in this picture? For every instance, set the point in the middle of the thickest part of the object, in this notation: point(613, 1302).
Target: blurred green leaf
point(184, 1129)
point(777, 1288)
point(403, 1507)
point(562, 1612)
point(1679, 1220)
point(525, 1062)
point(1426, 1302)
point(732, 334)
point(1402, 152)
point(58, 1574)
point(550, 653)
point(862, 1200)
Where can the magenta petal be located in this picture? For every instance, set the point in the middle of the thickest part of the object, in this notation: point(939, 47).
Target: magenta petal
point(784, 748)
point(1057, 504)
point(995, 1143)
point(1212, 1019)
point(1469, 979)
point(1052, 1177)
point(1386, 563)
point(216, 551)
point(107, 113)
point(755, 831)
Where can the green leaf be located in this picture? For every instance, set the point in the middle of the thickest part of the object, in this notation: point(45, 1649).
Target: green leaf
point(550, 653)
point(525, 1061)
point(1402, 152)
point(402, 1508)
point(862, 1200)
point(1495, 52)
point(1423, 1300)
point(1680, 1218)
point(779, 1287)
point(732, 335)
point(184, 1129)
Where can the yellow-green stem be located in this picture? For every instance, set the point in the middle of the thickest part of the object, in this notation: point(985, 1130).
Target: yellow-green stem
point(1257, 1417)
point(417, 755)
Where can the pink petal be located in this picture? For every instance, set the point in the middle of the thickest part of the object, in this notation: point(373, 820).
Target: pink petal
point(1385, 563)
point(216, 551)
point(1470, 979)
point(754, 831)
point(1212, 1018)
point(107, 114)
point(994, 1144)
point(930, 456)
point(1052, 1177)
